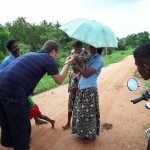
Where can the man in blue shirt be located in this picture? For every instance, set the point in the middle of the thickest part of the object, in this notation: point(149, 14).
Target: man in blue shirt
point(14, 53)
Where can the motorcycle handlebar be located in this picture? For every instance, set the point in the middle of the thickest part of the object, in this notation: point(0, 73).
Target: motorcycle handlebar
point(137, 100)
point(145, 96)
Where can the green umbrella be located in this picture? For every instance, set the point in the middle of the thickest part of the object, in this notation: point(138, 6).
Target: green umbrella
point(91, 32)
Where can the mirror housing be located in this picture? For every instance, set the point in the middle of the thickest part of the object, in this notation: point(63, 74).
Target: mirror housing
point(132, 84)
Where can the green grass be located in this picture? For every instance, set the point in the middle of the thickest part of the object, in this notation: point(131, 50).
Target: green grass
point(146, 126)
point(144, 82)
point(116, 56)
point(148, 85)
point(47, 83)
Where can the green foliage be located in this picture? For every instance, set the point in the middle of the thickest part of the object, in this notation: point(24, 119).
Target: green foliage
point(47, 83)
point(31, 37)
point(4, 36)
point(35, 35)
point(44, 84)
point(133, 40)
point(145, 127)
point(2, 56)
point(116, 56)
point(24, 48)
point(148, 85)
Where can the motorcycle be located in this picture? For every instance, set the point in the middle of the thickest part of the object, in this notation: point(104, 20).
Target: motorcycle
point(132, 85)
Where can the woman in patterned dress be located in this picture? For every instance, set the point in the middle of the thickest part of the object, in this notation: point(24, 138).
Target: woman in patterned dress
point(86, 113)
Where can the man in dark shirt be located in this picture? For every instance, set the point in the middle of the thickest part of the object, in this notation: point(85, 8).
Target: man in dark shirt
point(17, 82)
point(13, 48)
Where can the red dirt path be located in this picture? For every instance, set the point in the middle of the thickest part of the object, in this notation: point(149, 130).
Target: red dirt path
point(128, 119)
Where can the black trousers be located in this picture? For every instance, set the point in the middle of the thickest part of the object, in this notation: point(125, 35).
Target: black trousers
point(14, 121)
point(148, 146)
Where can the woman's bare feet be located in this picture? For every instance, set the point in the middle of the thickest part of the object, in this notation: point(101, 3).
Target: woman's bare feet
point(67, 126)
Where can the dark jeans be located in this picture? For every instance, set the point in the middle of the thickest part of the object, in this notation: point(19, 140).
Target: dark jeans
point(14, 121)
point(148, 146)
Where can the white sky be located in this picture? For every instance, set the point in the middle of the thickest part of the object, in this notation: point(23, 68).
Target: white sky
point(124, 17)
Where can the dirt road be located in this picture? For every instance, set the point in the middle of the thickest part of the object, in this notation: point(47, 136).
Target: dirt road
point(128, 120)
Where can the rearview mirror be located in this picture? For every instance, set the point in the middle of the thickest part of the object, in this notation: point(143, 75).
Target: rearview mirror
point(132, 84)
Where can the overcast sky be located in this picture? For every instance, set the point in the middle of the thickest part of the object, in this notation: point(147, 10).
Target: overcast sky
point(124, 17)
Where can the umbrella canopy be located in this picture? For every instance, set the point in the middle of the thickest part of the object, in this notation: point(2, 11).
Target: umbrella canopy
point(91, 32)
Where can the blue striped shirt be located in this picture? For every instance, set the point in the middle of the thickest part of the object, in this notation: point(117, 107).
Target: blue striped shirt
point(22, 75)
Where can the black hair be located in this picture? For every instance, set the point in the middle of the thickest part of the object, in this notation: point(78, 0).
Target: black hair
point(99, 50)
point(10, 43)
point(142, 52)
point(77, 44)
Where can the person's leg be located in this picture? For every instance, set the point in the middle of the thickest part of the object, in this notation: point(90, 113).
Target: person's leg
point(16, 127)
point(6, 139)
point(69, 120)
point(39, 121)
point(34, 113)
point(44, 117)
point(70, 109)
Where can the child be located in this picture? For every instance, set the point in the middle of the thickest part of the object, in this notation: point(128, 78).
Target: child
point(72, 88)
point(36, 114)
point(81, 54)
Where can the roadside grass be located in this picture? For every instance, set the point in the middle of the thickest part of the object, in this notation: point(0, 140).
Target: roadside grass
point(146, 126)
point(116, 56)
point(148, 85)
point(47, 83)
point(145, 83)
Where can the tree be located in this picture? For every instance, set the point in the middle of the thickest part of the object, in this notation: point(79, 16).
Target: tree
point(4, 36)
point(133, 40)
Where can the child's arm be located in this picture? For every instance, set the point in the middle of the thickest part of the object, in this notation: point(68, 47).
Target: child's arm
point(31, 101)
point(78, 75)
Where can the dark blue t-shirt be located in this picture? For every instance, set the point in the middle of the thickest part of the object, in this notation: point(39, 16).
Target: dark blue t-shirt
point(22, 75)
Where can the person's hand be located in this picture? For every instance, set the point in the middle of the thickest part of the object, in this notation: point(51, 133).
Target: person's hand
point(69, 89)
point(70, 59)
point(79, 59)
point(78, 76)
